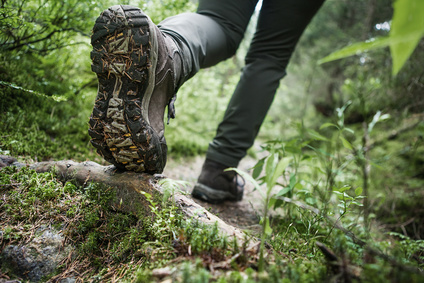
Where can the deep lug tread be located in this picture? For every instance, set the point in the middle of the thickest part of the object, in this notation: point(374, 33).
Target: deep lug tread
point(95, 135)
point(121, 59)
point(101, 105)
point(97, 113)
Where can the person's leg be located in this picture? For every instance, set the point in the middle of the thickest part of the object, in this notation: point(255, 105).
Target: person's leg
point(280, 25)
point(279, 28)
point(210, 35)
point(140, 68)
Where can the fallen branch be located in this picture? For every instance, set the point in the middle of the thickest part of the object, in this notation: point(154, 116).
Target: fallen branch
point(128, 187)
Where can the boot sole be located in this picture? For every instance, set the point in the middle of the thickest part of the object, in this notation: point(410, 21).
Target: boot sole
point(124, 57)
point(213, 196)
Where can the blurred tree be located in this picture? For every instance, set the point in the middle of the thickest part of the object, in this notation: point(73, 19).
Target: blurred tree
point(43, 26)
point(340, 23)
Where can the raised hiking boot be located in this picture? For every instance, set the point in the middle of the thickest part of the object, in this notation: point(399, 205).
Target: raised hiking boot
point(216, 185)
point(137, 67)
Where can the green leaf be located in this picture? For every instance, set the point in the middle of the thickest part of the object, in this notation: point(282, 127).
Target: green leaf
point(276, 202)
point(267, 228)
point(406, 31)
point(373, 164)
point(315, 135)
point(358, 191)
point(319, 150)
point(384, 117)
point(349, 130)
point(269, 167)
point(326, 125)
point(147, 195)
point(57, 98)
point(342, 189)
point(311, 200)
point(283, 191)
point(281, 166)
point(347, 197)
point(346, 143)
point(271, 202)
point(369, 45)
point(377, 118)
point(357, 48)
point(343, 195)
point(292, 181)
point(307, 157)
point(339, 194)
point(407, 20)
point(298, 186)
point(357, 203)
point(295, 149)
point(257, 169)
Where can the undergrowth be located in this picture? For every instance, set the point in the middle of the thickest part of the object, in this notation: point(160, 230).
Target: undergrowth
point(110, 245)
point(106, 241)
point(40, 128)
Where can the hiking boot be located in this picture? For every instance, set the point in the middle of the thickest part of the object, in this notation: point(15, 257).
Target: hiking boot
point(138, 69)
point(216, 185)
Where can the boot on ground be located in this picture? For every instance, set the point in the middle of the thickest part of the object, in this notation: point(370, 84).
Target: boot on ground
point(215, 185)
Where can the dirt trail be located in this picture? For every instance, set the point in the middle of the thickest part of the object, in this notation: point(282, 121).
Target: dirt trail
point(243, 214)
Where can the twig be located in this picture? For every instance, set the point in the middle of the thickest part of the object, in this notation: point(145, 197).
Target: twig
point(11, 85)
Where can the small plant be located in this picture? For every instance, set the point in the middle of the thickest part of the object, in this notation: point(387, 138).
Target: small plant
point(274, 168)
point(346, 200)
point(170, 187)
point(292, 166)
point(189, 235)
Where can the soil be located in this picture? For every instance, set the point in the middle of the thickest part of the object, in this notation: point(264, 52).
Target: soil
point(242, 214)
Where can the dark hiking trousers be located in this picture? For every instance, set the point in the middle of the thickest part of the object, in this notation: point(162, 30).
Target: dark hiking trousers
point(214, 33)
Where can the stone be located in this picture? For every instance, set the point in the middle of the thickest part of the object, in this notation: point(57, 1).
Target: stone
point(36, 259)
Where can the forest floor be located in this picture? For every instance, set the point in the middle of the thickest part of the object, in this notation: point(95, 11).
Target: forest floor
point(243, 214)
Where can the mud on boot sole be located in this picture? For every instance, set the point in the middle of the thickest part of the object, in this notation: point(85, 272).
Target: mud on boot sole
point(124, 58)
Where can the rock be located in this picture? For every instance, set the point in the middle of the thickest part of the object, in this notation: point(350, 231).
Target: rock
point(36, 259)
point(6, 160)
